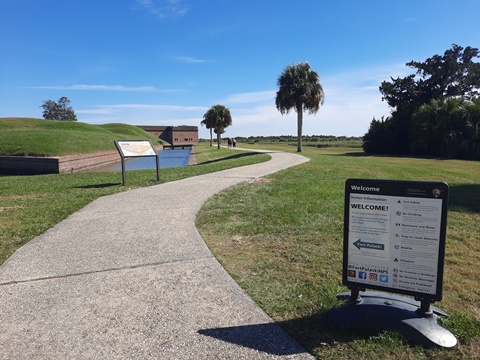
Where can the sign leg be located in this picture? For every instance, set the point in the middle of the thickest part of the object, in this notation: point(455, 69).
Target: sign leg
point(124, 177)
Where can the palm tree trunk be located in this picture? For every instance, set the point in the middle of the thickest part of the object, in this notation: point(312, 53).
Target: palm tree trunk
point(299, 127)
point(218, 140)
point(211, 137)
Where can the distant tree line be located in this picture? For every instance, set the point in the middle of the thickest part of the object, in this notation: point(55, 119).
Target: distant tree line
point(291, 138)
point(318, 141)
point(435, 111)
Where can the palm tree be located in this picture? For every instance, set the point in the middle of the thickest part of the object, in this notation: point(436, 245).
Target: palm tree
point(218, 118)
point(440, 127)
point(209, 123)
point(299, 89)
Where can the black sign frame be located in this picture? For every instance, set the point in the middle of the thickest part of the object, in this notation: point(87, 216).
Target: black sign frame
point(404, 193)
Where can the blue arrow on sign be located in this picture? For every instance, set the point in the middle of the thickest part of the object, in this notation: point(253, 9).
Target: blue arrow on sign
point(367, 245)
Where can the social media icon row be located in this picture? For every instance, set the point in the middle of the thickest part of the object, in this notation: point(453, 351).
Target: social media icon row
point(363, 275)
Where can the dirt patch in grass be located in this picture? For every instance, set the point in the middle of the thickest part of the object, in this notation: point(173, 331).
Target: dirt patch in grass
point(7, 208)
point(260, 181)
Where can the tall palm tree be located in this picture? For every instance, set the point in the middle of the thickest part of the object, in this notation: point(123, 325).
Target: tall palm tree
point(218, 118)
point(209, 123)
point(299, 89)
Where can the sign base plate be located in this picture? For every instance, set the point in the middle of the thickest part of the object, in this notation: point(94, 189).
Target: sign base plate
point(393, 312)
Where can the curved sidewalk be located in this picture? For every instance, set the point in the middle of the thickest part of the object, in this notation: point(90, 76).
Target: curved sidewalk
point(129, 277)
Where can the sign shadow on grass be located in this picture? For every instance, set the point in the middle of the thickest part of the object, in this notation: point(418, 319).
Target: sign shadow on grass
point(231, 157)
point(98, 186)
point(316, 331)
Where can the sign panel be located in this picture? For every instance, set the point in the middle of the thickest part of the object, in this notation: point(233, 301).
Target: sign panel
point(394, 236)
point(135, 148)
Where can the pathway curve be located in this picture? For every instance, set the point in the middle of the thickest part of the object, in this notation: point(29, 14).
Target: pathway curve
point(129, 277)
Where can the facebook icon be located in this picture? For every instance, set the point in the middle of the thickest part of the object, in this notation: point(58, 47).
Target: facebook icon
point(362, 275)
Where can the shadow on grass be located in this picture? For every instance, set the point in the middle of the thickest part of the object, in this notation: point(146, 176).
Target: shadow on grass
point(356, 154)
point(317, 331)
point(98, 186)
point(364, 154)
point(465, 197)
point(406, 156)
point(231, 157)
point(314, 331)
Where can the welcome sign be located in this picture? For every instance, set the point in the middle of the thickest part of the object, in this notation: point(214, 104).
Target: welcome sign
point(394, 236)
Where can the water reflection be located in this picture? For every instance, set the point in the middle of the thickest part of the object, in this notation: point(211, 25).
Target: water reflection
point(168, 158)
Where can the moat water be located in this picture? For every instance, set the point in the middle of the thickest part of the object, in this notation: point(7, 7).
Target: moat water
point(168, 158)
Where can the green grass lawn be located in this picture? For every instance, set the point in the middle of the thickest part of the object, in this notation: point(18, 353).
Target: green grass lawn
point(36, 137)
point(281, 239)
point(29, 205)
point(281, 236)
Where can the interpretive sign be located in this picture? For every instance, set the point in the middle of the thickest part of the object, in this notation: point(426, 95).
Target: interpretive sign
point(136, 148)
point(394, 236)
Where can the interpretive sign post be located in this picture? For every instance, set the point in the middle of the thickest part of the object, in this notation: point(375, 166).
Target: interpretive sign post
point(136, 148)
point(394, 241)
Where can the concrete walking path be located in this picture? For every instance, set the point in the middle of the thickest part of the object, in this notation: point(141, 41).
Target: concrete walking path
point(129, 277)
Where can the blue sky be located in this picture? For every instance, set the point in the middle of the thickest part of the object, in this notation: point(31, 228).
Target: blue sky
point(165, 62)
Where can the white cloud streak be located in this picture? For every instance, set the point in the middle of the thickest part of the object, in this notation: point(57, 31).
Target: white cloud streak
point(83, 87)
point(117, 108)
point(249, 98)
point(352, 100)
point(190, 60)
point(164, 8)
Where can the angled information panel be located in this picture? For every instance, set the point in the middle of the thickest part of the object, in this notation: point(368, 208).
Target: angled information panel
point(136, 148)
point(394, 236)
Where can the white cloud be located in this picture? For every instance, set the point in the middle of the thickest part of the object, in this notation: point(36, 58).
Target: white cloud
point(117, 108)
point(84, 87)
point(98, 111)
point(252, 97)
point(352, 100)
point(164, 8)
point(190, 60)
point(158, 107)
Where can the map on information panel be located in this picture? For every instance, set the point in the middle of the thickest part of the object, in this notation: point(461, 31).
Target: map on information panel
point(135, 148)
